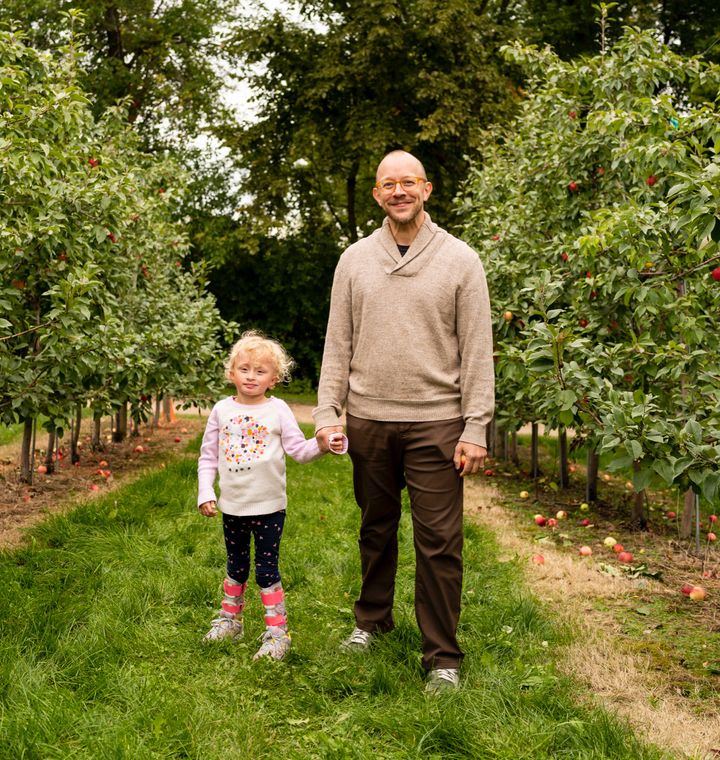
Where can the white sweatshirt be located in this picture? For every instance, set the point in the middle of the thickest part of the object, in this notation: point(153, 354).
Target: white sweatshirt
point(246, 444)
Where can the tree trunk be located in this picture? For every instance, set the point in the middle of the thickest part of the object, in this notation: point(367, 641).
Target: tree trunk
point(75, 435)
point(514, 449)
point(156, 415)
point(593, 465)
point(639, 518)
point(50, 453)
point(563, 455)
point(534, 465)
point(97, 442)
point(121, 420)
point(686, 523)
point(501, 443)
point(490, 438)
point(27, 451)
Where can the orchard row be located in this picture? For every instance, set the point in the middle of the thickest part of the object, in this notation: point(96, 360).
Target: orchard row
point(96, 307)
point(597, 214)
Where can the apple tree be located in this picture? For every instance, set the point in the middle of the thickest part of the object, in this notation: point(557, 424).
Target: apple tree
point(90, 257)
point(596, 212)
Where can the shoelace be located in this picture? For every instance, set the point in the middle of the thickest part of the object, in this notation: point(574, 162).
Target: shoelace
point(447, 674)
point(359, 637)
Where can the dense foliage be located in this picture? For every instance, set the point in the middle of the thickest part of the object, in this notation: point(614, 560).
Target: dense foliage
point(95, 304)
point(596, 212)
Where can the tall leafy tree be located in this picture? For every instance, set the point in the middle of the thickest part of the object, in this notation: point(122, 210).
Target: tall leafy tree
point(353, 80)
point(170, 59)
point(568, 26)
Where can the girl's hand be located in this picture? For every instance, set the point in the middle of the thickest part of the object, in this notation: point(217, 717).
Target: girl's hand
point(323, 437)
point(208, 509)
point(337, 442)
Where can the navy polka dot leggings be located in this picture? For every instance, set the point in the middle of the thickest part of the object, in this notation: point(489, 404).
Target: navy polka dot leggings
point(267, 532)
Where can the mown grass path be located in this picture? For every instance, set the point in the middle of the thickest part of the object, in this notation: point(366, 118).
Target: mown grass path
point(104, 610)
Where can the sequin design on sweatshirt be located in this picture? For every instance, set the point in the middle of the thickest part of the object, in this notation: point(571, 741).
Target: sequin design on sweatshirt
point(243, 440)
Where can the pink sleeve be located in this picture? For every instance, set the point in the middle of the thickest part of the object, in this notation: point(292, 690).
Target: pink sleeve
point(208, 461)
point(294, 443)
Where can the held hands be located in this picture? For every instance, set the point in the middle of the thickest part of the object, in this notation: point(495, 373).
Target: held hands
point(469, 458)
point(208, 509)
point(327, 441)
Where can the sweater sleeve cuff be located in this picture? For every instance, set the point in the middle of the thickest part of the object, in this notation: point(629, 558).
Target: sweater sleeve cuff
point(475, 433)
point(204, 496)
point(326, 416)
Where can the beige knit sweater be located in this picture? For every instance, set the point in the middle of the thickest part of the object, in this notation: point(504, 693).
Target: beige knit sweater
point(409, 338)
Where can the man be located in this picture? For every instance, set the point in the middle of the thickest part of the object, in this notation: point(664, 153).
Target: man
point(409, 352)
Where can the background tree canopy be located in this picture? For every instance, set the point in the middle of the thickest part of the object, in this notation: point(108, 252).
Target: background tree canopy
point(334, 85)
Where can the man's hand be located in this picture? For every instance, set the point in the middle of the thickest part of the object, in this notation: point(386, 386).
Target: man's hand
point(469, 457)
point(322, 436)
point(208, 508)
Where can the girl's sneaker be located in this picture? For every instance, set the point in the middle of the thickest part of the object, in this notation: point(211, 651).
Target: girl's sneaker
point(275, 643)
point(225, 627)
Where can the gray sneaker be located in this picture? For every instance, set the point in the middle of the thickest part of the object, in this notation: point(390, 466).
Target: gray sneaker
point(357, 641)
point(225, 627)
point(275, 643)
point(442, 679)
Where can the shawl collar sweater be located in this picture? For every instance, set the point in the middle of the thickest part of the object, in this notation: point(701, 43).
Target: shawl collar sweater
point(409, 338)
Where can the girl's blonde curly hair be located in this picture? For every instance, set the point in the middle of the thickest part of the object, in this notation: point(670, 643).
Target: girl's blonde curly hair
point(257, 346)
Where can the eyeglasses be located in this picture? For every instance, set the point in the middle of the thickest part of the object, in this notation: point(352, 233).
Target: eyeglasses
point(407, 183)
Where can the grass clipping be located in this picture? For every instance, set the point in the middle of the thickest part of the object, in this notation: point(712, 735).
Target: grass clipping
point(624, 683)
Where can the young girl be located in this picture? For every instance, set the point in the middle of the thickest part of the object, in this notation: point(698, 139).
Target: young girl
point(245, 440)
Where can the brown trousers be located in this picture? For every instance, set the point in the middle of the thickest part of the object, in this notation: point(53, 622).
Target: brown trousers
point(386, 456)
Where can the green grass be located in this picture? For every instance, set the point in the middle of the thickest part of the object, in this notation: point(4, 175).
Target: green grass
point(101, 656)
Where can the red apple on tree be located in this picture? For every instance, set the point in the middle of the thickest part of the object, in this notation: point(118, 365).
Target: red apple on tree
point(715, 274)
point(651, 180)
point(572, 186)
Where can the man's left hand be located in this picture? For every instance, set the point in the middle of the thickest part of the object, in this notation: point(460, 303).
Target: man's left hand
point(469, 458)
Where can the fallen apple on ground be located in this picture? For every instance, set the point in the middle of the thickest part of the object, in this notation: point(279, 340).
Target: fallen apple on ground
point(625, 557)
point(585, 551)
point(618, 548)
point(584, 507)
point(539, 520)
point(561, 515)
point(524, 494)
point(697, 594)
point(610, 541)
point(538, 559)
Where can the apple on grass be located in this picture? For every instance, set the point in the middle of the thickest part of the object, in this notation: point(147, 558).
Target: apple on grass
point(584, 507)
point(94, 487)
point(524, 495)
point(139, 449)
point(686, 588)
point(585, 522)
point(712, 518)
point(711, 536)
point(697, 594)
point(42, 469)
point(561, 515)
point(670, 515)
point(585, 551)
point(625, 557)
point(538, 559)
point(551, 522)
point(610, 541)
point(618, 548)
point(540, 520)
